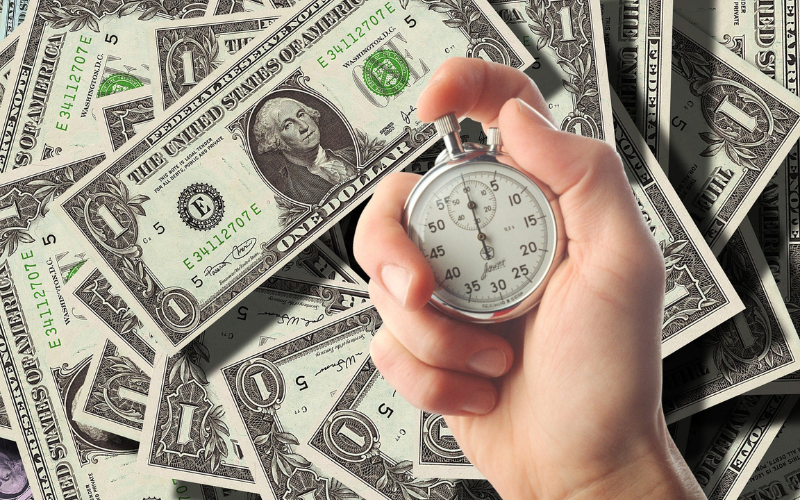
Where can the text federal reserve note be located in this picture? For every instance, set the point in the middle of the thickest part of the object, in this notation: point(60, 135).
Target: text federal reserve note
point(71, 53)
point(187, 51)
point(778, 471)
point(698, 295)
point(45, 349)
point(639, 54)
point(732, 128)
point(756, 346)
point(222, 199)
point(727, 442)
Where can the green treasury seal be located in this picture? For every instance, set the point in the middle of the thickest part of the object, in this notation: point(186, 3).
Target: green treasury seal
point(386, 73)
point(117, 83)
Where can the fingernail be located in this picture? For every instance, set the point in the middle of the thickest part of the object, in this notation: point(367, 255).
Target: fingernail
point(489, 362)
point(479, 402)
point(531, 112)
point(396, 280)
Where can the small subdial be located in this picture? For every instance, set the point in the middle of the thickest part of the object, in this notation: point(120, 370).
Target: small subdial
point(471, 201)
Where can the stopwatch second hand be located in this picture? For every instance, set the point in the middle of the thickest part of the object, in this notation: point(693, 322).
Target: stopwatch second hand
point(472, 206)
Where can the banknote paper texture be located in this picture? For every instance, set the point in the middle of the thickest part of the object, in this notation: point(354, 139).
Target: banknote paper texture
point(278, 392)
point(765, 38)
point(226, 7)
point(733, 126)
point(8, 50)
point(753, 348)
point(639, 36)
point(121, 368)
point(13, 15)
point(122, 114)
point(364, 440)
point(727, 442)
point(187, 51)
point(698, 294)
point(187, 433)
point(115, 393)
point(778, 473)
point(232, 230)
point(566, 38)
point(437, 452)
point(45, 353)
point(71, 53)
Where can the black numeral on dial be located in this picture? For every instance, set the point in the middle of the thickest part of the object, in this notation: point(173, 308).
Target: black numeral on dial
point(437, 252)
point(528, 249)
point(436, 226)
point(452, 273)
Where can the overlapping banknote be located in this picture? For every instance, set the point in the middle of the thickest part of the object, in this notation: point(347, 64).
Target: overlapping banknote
point(180, 318)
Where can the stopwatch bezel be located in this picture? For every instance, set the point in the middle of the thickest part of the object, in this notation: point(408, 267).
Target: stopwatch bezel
point(475, 154)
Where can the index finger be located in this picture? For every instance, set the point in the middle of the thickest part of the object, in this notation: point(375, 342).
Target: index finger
point(478, 89)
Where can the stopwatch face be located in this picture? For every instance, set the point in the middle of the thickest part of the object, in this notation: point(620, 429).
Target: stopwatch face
point(487, 231)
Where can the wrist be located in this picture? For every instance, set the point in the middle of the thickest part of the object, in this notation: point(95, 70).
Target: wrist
point(656, 472)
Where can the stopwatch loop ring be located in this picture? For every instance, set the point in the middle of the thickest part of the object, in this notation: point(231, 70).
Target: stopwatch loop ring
point(448, 128)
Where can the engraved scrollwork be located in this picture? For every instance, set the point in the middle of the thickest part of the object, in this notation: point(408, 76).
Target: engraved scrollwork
point(260, 385)
point(553, 26)
point(418, 136)
point(740, 120)
point(351, 435)
point(734, 43)
point(434, 438)
point(79, 15)
point(178, 309)
point(269, 257)
point(490, 50)
point(90, 442)
point(204, 51)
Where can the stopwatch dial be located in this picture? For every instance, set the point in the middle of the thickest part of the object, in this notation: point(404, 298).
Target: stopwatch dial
point(488, 233)
point(471, 204)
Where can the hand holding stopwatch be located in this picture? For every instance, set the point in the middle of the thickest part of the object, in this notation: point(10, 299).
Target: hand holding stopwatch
point(486, 228)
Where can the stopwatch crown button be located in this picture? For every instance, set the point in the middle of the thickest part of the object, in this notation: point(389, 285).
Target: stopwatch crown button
point(447, 124)
point(493, 139)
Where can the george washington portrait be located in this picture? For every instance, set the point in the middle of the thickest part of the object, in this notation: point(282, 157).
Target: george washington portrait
point(301, 146)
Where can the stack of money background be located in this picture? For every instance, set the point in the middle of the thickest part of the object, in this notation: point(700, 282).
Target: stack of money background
point(183, 319)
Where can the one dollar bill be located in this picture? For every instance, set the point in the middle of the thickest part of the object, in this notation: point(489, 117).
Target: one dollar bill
point(201, 207)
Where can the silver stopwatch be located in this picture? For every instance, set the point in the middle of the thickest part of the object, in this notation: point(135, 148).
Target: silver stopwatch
point(488, 231)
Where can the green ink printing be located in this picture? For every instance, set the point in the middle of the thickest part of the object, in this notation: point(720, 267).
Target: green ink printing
point(386, 73)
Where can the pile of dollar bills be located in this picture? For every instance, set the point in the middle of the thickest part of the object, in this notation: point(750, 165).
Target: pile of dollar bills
point(180, 317)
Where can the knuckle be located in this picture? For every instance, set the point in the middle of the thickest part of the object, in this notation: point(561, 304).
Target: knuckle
point(430, 391)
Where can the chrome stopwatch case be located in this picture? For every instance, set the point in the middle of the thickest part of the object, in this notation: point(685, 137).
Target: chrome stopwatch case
point(486, 228)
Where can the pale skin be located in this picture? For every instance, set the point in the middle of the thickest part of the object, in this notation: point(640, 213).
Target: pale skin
point(564, 402)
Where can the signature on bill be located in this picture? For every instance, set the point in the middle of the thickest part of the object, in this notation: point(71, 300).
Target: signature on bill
point(238, 252)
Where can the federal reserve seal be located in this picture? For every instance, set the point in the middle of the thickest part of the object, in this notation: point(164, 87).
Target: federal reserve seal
point(200, 206)
point(117, 83)
point(386, 73)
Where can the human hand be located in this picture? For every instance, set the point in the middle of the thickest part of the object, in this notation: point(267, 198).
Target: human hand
point(578, 413)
